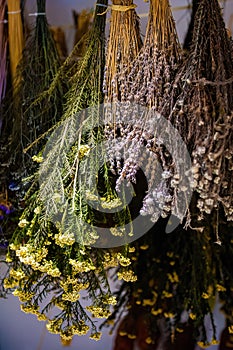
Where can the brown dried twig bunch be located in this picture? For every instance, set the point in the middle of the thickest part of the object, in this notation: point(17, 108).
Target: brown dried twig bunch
point(202, 113)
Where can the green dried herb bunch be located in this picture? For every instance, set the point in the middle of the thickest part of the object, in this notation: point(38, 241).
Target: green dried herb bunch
point(27, 121)
point(202, 112)
point(53, 257)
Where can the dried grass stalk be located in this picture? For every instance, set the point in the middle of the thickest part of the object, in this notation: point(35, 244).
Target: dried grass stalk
point(16, 37)
point(124, 44)
point(3, 55)
point(3, 51)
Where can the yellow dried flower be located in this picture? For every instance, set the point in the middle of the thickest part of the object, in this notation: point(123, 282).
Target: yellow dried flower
point(96, 336)
point(98, 311)
point(37, 210)
point(131, 336)
point(22, 223)
point(17, 274)
point(83, 151)
point(156, 312)
point(23, 296)
point(123, 260)
point(81, 266)
point(30, 309)
point(71, 296)
point(170, 254)
point(169, 314)
point(110, 300)
point(37, 159)
point(179, 330)
point(144, 247)
point(10, 283)
point(220, 288)
point(122, 333)
point(8, 258)
point(132, 249)
point(149, 302)
point(64, 239)
point(148, 340)
point(203, 345)
point(127, 276)
point(192, 316)
point(81, 328)
point(205, 295)
point(41, 317)
point(167, 294)
point(230, 329)
point(110, 260)
point(173, 277)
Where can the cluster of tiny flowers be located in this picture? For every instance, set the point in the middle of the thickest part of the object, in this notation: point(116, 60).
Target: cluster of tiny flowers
point(54, 326)
point(111, 203)
point(123, 261)
point(138, 148)
point(74, 284)
point(83, 151)
point(212, 181)
point(64, 239)
point(98, 311)
point(22, 295)
point(81, 266)
point(110, 260)
point(30, 255)
point(30, 309)
point(71, 296)
point(127, 276)
point(96, 336)
point(80, 328)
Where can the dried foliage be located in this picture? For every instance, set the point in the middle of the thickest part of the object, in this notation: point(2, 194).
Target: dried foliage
point(23, 121)
point(16, 37)
point(202, 113)
point(124, 44)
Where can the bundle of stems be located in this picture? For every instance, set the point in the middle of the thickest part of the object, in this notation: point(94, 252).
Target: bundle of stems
point(189, 34)
point(202, 112)
point(147, 81)
point(200, 106)
point(124, 44)
point(50, 262)
point(152, 72)
point(3, 52)
point(16, 38)
point(27, 121)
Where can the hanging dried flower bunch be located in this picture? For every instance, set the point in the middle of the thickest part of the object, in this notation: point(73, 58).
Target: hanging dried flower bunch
point(203, 111)
point(148, 78)
point(26, 120)
point(49, 260)
point(146, 81)
point(124, 44)
point(177, 289)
